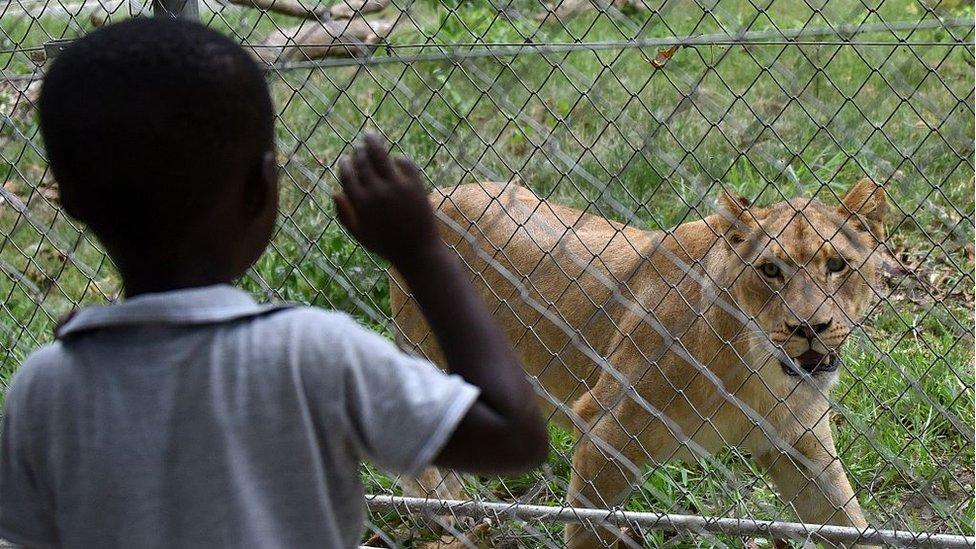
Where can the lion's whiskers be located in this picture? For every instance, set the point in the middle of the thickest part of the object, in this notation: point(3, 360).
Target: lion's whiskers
point(759, 347)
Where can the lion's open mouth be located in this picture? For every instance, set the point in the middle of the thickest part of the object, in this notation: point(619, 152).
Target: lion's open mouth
point(811, 362)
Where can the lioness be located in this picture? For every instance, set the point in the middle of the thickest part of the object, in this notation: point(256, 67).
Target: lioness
point(668, 344)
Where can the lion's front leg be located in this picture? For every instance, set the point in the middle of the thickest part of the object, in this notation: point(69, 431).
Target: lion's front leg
point(816, 486)
point(436, 483)
point(607, 465)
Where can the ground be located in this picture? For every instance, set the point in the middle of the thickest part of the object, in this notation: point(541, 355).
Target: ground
point(641, 135)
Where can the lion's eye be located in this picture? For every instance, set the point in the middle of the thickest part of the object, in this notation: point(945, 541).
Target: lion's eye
point(770, 269)
point(836, 264)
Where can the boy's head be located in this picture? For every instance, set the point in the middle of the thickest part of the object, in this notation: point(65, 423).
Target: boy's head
point(159, 133)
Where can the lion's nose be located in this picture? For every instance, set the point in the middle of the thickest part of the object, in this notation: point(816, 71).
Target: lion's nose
point(807, 330)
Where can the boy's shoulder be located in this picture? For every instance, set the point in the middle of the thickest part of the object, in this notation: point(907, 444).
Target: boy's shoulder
point(313, 321)
point(315, 315)
point(43, 364)
point(313, 329)
point(40, 373)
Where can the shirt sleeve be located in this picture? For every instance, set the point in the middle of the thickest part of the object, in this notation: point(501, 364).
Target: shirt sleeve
point(400, 409)
point(25, 516)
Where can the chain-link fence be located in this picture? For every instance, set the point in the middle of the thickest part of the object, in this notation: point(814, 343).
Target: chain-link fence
point(784, 371)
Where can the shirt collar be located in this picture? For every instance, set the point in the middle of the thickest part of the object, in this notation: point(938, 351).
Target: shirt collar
point(204, 305)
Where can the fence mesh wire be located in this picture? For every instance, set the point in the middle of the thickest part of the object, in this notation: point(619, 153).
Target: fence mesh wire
point(566, 142)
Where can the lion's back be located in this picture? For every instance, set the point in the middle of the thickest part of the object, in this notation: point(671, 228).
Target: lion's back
point(547, 272)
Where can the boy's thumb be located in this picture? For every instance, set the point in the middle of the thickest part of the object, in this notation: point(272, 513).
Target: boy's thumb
point(346, 213)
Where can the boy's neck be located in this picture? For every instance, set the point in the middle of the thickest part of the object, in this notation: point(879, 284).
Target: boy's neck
point(197, 262)
point(170, 280)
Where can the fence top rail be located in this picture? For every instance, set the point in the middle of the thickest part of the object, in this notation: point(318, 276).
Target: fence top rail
point(470, 50)
point(777, 37)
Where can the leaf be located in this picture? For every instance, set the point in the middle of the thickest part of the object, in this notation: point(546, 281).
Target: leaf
point(663, 56)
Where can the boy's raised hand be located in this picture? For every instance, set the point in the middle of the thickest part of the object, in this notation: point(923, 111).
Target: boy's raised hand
point(383, 203)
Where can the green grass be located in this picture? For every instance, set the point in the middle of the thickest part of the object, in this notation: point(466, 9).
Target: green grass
point(607, 132)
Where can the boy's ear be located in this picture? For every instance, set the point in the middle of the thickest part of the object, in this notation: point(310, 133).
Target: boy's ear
point(262, 187)
point(269, 172)
point(866, 205)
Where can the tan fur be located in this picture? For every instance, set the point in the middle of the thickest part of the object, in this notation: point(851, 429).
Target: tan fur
point(574, 289)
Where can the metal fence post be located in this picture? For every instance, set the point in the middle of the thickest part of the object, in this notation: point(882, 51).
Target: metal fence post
point(176, 8)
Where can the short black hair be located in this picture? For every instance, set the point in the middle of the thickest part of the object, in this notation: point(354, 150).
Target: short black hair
point(148, 121)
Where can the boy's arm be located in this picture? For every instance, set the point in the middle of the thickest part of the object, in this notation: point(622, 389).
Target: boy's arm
point(26, 508)
point(385, 207)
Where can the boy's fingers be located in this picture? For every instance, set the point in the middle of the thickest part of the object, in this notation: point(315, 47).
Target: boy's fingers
point(364, 169)
point(349, 179)
point(345, 212)
point(379, 155)
point(409, 171)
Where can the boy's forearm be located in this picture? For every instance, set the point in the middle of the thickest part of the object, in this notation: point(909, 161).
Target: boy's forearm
point(472, 342)
point(384, 206)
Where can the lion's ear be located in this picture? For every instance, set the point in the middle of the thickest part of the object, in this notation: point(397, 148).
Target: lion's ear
point(732, 203)
point(734, 216)
point(866, 203)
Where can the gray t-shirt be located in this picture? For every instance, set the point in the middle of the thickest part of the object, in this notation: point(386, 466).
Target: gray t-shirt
point(197, 418)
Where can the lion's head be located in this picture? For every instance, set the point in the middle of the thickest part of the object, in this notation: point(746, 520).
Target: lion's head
point(803, 271)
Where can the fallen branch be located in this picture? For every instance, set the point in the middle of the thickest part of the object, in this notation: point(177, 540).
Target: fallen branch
point(346, 38)
point(308, 9)
point(295, 8)
point(347, 9)
point(567, 8)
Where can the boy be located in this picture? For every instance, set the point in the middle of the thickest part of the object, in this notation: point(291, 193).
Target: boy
point(188, 415)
